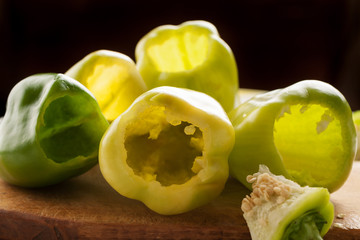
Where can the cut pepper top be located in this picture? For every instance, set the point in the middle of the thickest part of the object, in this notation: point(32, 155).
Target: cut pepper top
point(279, 208)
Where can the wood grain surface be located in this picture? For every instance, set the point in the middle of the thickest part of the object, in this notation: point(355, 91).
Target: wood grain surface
point(86, 207)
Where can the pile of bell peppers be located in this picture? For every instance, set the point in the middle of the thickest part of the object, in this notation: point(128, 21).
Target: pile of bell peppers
point(167, 129)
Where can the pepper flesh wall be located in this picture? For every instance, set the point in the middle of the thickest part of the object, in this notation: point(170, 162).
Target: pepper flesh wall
point(304, 132)
point(191, 55)
point(50, 132)
point(169, 150)
point(280, 209)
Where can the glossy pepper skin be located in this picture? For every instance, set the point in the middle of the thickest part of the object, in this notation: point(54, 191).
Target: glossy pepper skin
point(191, 55)
point(112, 78)
point(356, 118)
point(169, 149)
point(304, 132)
point(50, 132)
point(280, 209)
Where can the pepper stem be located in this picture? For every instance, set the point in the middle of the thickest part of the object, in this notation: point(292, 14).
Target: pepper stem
point(307, 226)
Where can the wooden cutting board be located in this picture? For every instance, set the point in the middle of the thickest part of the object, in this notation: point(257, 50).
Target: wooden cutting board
point(86, 207)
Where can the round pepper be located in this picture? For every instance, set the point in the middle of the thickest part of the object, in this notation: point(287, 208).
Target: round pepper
point(50, 132)
point(191, 55)
point(280, 209)
point(169, 149)
point(113, 79)
point(304, 132)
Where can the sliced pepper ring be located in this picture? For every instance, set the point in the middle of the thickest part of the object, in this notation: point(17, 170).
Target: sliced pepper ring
point(304, 132)
point(277, 208)
point(168, 150)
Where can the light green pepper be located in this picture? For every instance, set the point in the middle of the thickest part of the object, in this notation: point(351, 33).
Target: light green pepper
point(356, 118)
point(169, 149)
point(113, 79)
point(191, 55)
point(304, 132)
point(280, 209)
point(50, 132)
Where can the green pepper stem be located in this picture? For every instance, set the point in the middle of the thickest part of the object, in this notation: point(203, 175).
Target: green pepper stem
point(308, 226)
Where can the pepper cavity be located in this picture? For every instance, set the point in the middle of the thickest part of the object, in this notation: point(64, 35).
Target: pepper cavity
point(307, 131)
point(162, 149)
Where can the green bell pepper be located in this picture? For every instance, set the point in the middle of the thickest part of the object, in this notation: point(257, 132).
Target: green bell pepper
point(191, 55)
point(169, 150)
point(50, 132)
point(113, 79)
point(280, 209)
point(304, 132)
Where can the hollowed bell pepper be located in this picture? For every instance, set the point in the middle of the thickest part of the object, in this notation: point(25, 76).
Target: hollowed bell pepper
point(191, 55)
point(113, 79)
point(279, 209)
point(169, 149)
point(50, 132)
point(304, 132)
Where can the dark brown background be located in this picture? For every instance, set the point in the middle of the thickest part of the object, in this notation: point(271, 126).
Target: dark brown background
point(275, 42)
